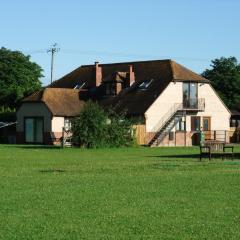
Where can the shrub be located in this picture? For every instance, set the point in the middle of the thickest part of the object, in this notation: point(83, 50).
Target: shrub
point(96, 128)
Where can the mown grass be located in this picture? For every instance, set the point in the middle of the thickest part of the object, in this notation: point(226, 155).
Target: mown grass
point(127, 193)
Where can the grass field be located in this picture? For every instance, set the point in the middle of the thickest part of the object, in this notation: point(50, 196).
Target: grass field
point(135, 193)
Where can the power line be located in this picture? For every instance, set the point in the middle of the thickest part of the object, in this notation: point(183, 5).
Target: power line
point(118, 54)
point(34, 51)
point(53, 50)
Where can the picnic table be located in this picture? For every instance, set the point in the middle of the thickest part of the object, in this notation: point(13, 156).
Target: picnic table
point(216, 147)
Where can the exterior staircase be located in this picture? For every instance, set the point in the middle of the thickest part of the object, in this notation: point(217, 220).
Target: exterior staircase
point(167, 123)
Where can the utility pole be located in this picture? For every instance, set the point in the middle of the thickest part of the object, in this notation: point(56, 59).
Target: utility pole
point(53, 50)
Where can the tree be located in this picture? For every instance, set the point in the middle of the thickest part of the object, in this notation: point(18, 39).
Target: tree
point(225, 78)
point(19, 77)
point(96, 128)
point(90, 126)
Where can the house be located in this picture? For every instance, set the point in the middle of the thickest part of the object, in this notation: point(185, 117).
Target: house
point(42, 115)
point(169, 102)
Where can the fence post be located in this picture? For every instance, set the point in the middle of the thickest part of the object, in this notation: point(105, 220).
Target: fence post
point(225, 135)
point(63, 137)
point(215, 135)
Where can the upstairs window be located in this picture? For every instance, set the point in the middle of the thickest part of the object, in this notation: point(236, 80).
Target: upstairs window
point(80, 86)
point(190, 95)
point(145, 84)
point(110, 89)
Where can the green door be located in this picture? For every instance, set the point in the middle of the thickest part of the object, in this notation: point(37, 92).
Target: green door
point(34, 130)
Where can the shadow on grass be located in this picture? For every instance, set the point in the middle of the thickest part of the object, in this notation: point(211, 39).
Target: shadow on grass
point(51, 147)
point(194, 156)
point(176, 156)
point(52, 171)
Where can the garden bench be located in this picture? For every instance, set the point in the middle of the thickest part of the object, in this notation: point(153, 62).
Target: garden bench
point(210, 148)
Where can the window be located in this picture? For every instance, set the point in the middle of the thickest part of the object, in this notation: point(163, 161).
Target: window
point(181, 125)
point(110, 89)
point(234, 122)
point(33, 130)
point(206, 123)
point(67, 124)
point(195, 123)
point(171, 136)
point(80, 86)
point(190, 95)
point(145, 84)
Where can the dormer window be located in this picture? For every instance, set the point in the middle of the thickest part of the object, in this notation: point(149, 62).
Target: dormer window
point(145, 84)
point(110, 88)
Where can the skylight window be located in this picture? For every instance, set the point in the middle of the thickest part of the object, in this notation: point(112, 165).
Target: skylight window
point(80, 86)
point(145, 84)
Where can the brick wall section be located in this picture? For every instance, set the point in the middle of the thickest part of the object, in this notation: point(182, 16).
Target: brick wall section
point(178, 139)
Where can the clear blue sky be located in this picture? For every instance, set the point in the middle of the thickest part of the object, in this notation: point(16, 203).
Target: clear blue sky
point(192, 32)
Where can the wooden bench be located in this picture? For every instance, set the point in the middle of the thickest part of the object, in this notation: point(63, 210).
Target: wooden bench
point(210, 148)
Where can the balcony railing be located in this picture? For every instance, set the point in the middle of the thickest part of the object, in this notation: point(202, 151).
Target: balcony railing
point(197, 104)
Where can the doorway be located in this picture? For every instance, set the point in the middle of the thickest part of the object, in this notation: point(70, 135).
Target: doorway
point(190, 95)
point(207, 127)
point(33, 128)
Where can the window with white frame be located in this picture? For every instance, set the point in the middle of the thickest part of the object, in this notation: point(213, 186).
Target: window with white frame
point(181, 125)
point(67, 124)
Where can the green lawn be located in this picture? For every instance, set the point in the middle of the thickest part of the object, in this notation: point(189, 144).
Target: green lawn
point(135, 193)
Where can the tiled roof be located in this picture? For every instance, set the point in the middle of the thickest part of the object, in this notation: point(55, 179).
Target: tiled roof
point(65, 100)
point(167, 70)
point(60, 101)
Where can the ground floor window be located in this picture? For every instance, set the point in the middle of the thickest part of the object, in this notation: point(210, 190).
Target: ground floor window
point(181, 125)
point(67, 124)
point(234, 122)
point(33, 130)
point(171, 136)
point(195, 123)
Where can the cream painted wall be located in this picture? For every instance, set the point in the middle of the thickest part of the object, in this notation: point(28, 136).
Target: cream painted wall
point(57, 124)
point(171, 95)
point(33, 110)
point(214, 107)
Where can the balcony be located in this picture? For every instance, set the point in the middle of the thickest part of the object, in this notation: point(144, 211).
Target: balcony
point(194, 104)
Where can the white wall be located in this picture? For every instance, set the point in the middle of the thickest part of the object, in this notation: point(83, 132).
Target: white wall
point(171, 95)
point(214, 107)
point(33, 110)
point(57, 124)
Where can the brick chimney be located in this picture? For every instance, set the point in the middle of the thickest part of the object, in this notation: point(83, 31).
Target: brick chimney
point(130, 76)
point(98, 74)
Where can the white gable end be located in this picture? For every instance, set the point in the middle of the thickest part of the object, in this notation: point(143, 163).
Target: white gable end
point(162, 105)
point(173, 94)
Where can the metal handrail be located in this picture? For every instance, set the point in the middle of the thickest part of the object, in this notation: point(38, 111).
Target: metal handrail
point(194, 104)
point(200, 105)
point(176, 107)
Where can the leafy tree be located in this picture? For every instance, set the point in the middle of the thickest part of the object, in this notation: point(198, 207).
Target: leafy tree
point(19, 77)
point(90, 126)
point(119, 130)
point(225, 78)
point(96, 128)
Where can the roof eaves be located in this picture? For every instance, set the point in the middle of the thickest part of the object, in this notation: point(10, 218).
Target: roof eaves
point(191, 80)
point(171, 67)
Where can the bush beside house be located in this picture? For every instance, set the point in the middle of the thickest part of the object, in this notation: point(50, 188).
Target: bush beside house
point(95, 128)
